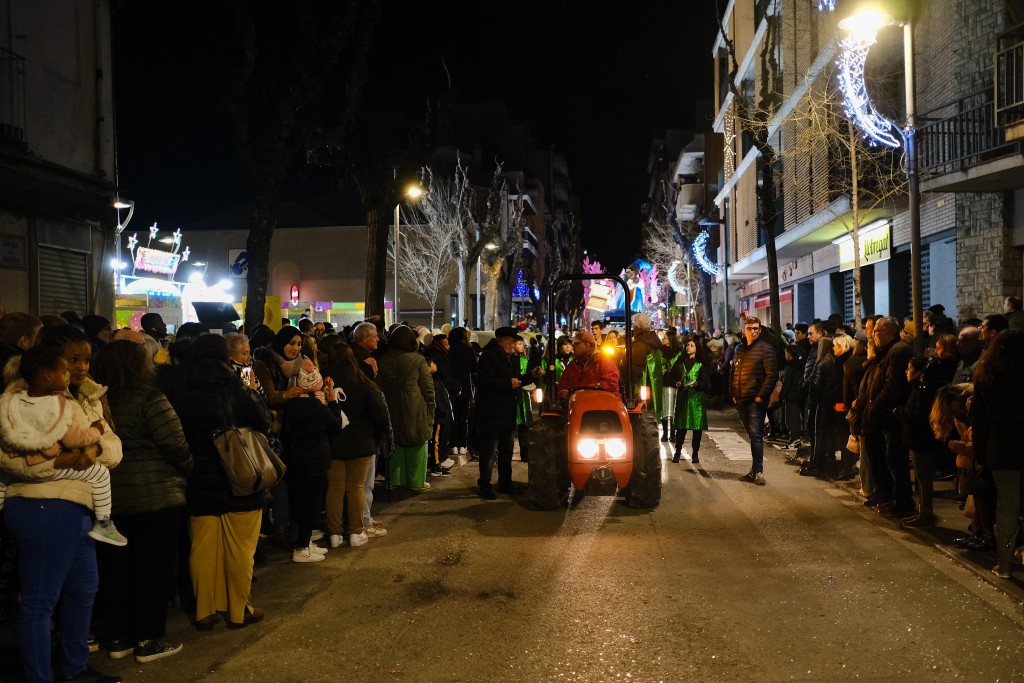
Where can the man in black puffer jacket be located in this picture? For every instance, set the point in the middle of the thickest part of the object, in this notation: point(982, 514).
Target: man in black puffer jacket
point(754, 375)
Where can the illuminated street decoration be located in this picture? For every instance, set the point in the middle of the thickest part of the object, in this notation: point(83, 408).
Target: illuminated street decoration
point(156, 261)
point(829, 5)
point(700, 247)
point(876, 128)
point(521, 290)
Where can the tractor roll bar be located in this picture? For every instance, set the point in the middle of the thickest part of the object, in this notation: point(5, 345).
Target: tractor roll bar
point(549, 375)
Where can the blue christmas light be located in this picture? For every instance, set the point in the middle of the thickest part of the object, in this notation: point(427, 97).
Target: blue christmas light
point(876, 128)
point(829, 5)
point(700, 254)
point(520, 290)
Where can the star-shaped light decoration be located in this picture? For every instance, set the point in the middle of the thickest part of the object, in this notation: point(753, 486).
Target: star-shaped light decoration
point(177, 240)
point(184, 255)
point(153, 230)
point(133, 241)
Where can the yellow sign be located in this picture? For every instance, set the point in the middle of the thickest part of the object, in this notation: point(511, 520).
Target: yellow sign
point(875, 246)
point(271, 312)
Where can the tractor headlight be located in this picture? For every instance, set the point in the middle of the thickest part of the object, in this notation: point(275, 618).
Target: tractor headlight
point(587, 448)
point(538, 395)
point(644, 393)
point(615, 448)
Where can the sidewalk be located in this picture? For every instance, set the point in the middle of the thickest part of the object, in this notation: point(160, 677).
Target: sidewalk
point(951, 522)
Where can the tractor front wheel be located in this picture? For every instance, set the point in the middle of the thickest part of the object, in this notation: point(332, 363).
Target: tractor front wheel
point(548, 463)
point(644, 489)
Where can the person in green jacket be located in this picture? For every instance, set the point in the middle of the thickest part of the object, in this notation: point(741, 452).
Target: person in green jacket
point(564, 355)
point(646, 359)
point(689, 374)
point(524, 409)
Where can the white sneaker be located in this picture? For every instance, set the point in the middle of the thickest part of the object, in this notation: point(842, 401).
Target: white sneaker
point(317, 549)
point(375, 531)
point(337, 540)
point(105, 531)
point(448, 463)
point(355, 540)
point(316, 535)
point(302, 555)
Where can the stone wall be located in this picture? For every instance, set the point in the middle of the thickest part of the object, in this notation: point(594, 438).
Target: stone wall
point(987, 264)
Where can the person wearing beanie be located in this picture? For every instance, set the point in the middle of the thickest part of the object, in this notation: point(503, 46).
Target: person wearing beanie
point(98, 330)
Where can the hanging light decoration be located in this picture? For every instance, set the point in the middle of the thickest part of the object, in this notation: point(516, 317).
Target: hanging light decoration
point(877, 129)
point(826, 5)
point(700, 246)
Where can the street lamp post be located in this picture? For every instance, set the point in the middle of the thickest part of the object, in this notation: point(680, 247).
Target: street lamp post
point(862, 27)
point(118, 266)
point(412, 192)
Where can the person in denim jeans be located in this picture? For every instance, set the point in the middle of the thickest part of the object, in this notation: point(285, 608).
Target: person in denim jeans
point(754, 375)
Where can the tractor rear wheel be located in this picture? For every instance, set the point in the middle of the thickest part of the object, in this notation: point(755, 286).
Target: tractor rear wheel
point(644, 489)
point(548, 461)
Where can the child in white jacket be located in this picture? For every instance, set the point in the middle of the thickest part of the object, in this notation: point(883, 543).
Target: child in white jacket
point(39, 419)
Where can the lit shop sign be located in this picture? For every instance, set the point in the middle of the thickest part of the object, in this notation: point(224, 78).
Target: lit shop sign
point(156, 261)
point(875, 246)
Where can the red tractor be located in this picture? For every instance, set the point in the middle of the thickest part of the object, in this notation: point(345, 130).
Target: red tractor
point(597, 441)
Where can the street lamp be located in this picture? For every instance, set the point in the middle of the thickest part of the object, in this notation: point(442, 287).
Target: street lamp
point(412, 192)
point(862, 27)
point(709, 222)
point(118, 265)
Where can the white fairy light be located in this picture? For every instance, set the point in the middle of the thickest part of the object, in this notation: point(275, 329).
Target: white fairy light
point(700, 254)
point(876, 128)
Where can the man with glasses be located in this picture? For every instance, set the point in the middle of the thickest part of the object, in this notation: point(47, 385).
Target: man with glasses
point(755, 372)
point(587, 368)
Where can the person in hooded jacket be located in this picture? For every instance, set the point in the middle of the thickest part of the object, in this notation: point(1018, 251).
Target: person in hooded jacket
point(821, 442)
point(690, 376)
point(463, 359)
point(409, 392)
point(224, 527)
point(498, 387)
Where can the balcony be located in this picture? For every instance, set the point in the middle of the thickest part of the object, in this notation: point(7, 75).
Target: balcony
point(12, 97)
point(973, 144)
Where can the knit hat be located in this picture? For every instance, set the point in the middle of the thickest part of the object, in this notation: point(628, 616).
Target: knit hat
point(506, 331)
point(403, 338)
point(94, 324)
point(584, 336)
point(910, 328)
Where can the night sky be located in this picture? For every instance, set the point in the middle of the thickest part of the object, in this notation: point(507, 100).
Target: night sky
point(597, 84)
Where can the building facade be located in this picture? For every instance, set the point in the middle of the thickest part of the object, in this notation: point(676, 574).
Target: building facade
point(776, 71)
point(57, 161)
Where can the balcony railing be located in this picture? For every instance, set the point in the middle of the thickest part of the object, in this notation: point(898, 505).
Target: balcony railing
point(961, 134)
point(1009, 77)
point(761, 8)
point(12, 96)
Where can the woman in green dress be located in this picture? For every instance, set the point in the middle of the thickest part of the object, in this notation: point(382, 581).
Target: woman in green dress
point(689, 374)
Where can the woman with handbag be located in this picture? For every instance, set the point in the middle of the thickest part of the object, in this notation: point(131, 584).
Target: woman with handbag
point(224, 527)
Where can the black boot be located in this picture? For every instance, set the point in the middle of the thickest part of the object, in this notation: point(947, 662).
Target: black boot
point(664, 430)
point(694, 459)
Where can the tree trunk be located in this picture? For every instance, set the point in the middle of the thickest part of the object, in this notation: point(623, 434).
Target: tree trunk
point(257, 278)
point(377, 231)
point(768, 214)
point(855, 207)
point(460, 314)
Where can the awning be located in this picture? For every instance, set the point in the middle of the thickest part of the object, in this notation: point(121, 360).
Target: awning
point(762, 302)
point(786, 295)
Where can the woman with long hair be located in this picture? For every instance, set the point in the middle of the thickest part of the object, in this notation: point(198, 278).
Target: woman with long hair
point(355, 449)
point(148, 491)
point(996, 412)
point(690, 376)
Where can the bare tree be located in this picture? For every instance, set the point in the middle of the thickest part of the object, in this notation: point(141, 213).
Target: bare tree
point(753, 117)
point(428, 251)
point(823, 159)
point(279, 101)
point(504, 220)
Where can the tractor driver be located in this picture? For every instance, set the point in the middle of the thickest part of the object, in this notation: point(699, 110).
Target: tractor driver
point(588, 367)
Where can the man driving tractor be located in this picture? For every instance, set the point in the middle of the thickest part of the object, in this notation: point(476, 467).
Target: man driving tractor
point(587, 368)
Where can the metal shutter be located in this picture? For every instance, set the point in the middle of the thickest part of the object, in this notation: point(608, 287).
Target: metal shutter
point(63, 280)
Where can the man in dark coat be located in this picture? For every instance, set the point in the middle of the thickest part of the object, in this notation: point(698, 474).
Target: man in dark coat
point(497, 388)
point(754, 375)
point(888, 389)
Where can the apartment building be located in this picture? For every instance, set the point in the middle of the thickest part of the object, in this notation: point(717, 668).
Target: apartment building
point(57, 171)
point(776, 65)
